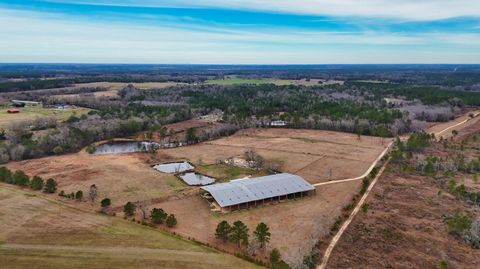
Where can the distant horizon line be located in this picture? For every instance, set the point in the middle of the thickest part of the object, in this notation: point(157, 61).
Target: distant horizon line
point(229, 64)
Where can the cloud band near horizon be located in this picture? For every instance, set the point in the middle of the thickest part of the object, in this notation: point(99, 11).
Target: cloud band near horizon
point(243, 32)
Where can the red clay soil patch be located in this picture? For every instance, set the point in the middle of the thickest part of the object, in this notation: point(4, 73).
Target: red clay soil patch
point(404, 228)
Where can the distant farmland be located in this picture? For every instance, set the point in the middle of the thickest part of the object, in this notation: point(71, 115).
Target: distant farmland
point(232, 80)
point(34, 112)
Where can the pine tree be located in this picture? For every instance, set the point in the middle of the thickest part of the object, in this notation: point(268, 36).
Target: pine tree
point(223, 231)
point(37, 183)
point(239, 234)
point(262, 234)
point(50, 186)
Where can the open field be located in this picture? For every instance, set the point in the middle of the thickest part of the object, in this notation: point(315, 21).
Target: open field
point(317, 156)
point(295, 225)
point(111, 88)
point(237, 80)
point(129, 177)
point(120, 85)
point(38, 233)
point(33, 112)
point(120, 177)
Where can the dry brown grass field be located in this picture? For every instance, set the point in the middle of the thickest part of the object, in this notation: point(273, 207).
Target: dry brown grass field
point(120, 85)
point(37, 232)
point(317, 156)
point(120, 177)
point(295, 225)
point(111, 88)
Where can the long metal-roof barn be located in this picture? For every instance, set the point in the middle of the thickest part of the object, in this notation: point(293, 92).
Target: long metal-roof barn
point(247, 191)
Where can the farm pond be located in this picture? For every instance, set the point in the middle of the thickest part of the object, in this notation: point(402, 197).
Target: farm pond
point(176, 167)
point(125, 147)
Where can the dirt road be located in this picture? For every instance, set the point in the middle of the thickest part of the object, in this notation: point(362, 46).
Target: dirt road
point(364, 174)
point(467, 119)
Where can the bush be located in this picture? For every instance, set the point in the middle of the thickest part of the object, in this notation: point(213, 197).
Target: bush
point(275, 256)
point(458, 223)
point(91, 149)
point(281, 265)
point(443, 264)
point(57, 150)
point(6, 175)
point(20, 178)
point(79, 195)
point(365, 184)
point(472, 235)
point(158, 216)
point(311, 260)
point(37, 183)
point(105, 202)
point(365, 208)
point(129, 208)
point(171, 221)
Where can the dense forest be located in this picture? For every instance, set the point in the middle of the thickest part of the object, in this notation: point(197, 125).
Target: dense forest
point(358, 104)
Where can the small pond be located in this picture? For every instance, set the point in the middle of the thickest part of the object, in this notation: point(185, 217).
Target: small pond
point(193, 179)
point(177, 167)
point(124, 147)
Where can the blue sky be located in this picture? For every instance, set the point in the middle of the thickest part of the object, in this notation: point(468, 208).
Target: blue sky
point(240, 31)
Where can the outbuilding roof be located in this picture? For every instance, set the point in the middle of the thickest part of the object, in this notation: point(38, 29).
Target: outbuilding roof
point(246, 190)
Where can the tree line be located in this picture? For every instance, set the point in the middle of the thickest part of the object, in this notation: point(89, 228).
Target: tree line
point(157, 215)
point(238, 233)
point(21, 179)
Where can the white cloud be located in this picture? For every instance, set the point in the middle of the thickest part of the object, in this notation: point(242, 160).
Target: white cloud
point(394, 9)
point(37, 37)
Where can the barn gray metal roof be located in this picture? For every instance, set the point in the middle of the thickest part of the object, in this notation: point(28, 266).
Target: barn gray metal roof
point(245, 190)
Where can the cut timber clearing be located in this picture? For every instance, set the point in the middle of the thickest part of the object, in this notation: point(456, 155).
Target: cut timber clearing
point(357, 208)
